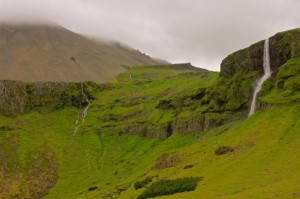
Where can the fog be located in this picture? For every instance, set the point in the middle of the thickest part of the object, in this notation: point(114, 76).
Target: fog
point(196, 31)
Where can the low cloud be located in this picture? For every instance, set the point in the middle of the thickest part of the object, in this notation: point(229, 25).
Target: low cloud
point(197, 31)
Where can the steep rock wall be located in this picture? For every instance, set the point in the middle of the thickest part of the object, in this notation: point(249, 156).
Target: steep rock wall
point(283, 46)
point(17, 97)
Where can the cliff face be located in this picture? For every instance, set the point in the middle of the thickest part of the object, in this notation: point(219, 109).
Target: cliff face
point(247, 59)
point(283, 46)
point(18, 97)
point(240, 70)
point(13, 97)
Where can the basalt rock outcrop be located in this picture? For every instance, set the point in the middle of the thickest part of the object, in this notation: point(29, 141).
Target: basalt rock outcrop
point(245, 60)
point(17, 97)
point(240, 69)
point(283, 46)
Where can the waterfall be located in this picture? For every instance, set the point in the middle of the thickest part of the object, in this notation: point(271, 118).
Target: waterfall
point(76, 126)
point(84, 112)
point(83, 115)
point(267, 74)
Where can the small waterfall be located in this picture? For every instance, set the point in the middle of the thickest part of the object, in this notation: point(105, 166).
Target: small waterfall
point(83, 115)
point(87, 158)
point(267, 74)
point(84, 112)
point(76, 126)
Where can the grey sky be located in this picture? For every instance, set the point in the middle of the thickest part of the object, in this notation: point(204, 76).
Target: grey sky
point(202, 32)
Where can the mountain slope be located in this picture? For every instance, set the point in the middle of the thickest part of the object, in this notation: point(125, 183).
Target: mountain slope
point(52, 53)
point(157, 122)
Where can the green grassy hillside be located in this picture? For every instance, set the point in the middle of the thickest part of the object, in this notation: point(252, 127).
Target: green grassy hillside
point(263, 164)
point(111, 151)
point(171, 131)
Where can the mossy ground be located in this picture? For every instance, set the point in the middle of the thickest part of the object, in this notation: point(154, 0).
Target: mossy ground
point(285, 87)
point(264, 162)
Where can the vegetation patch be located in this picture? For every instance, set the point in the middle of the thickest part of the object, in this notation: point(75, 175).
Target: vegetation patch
point(42, 175)
point(143, 183)
point(167, 160)
point(122, 188)
point(6, 128)
point(169, 187)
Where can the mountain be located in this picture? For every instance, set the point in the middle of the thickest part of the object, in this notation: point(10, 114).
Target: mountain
point(52, 53)
point(171, 130)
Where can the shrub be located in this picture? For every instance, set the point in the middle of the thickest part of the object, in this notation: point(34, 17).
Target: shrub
point(143, 183)
point(168, 187)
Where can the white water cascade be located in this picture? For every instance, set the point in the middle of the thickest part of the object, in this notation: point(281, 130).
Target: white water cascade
point(84, 112)
point(83, 115)
point(267, 74)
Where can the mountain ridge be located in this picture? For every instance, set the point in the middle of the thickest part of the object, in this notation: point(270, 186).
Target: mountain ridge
point(52, 53)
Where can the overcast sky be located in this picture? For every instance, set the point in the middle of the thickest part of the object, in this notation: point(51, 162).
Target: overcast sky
point(202, 32)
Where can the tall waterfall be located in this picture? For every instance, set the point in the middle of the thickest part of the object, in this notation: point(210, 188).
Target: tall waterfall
point(267, 74)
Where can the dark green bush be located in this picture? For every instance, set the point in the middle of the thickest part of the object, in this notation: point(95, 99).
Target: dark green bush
point(143, 183)
point(168, 187)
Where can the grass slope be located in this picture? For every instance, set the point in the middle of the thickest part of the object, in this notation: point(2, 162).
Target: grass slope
point(104, 162)
point(264, 163)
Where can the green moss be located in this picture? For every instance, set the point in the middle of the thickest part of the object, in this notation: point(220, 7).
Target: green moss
point(286, 87)
point(143, 183)
point(169, 187)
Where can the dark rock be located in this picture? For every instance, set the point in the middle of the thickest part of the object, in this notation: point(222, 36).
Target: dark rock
point(213, 120)
point(190, 125)
point(169, 129)
point(284, 46)
point(165, 105)
point(188, 166)
point(18, 97)
point(199, 94)
point(247, 59)
point(223, 150)
point(13, 97)
point(93, 188)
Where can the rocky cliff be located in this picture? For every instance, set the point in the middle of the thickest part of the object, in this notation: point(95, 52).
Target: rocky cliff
point(240, 70)
point(283, 46)
point(17, 97)
point(153, 101)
